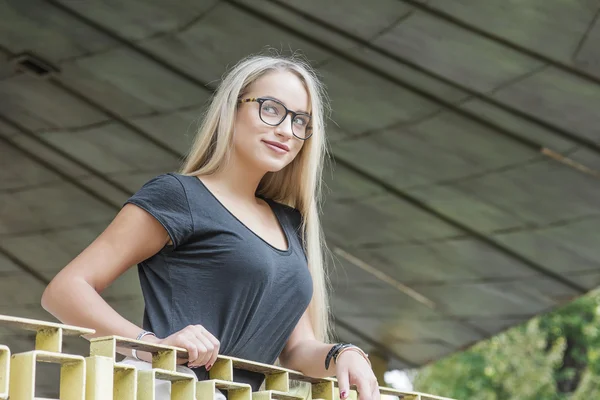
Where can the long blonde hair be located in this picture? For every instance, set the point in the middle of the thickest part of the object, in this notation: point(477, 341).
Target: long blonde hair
point(298, 185)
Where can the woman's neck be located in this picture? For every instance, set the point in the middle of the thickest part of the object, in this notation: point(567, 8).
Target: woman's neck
point(236, 180)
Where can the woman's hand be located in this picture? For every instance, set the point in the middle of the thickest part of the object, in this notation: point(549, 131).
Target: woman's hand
point(353, 369)
point(201, 345)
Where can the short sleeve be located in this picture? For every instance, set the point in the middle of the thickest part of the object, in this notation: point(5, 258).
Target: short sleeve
point(164, 198)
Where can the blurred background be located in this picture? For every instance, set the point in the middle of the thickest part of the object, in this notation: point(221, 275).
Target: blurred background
point(463, 197)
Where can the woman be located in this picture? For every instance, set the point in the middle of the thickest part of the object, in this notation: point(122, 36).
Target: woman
point(229, 250)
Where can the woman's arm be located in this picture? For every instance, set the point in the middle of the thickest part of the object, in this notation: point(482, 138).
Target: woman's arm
point(304, 353)
point(74, 298)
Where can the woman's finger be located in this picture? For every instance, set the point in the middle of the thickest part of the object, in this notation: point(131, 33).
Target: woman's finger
point(206, 349)
point(198, 345)
point(343, 382)
point(213, 346)
point(375, 395)
point(364, 389)
point(211, 337)
point(213, 358)
point(191, 349)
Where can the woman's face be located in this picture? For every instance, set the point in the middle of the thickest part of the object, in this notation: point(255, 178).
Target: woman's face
point(258, 144)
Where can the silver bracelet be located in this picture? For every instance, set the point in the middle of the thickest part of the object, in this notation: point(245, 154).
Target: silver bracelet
point(139, 337)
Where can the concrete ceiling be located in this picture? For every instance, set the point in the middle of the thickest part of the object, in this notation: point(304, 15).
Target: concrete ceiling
point(464, 197)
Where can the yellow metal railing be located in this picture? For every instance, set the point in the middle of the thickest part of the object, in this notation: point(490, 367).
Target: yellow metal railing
point(100, 377)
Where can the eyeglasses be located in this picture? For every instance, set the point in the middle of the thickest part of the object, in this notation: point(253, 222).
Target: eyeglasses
point(273, 112)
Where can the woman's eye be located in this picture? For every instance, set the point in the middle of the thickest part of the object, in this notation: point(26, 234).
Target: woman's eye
point(300, 121)
point(270, 109)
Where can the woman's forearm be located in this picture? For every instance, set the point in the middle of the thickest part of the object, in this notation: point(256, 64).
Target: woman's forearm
point(73, 301)
point(308, 357)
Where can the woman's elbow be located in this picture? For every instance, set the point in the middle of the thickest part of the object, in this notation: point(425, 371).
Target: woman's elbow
point(49, 296)
point(286, 359)
point(53, 292)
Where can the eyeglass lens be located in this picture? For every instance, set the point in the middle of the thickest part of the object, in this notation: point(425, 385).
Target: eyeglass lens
point(273, 113)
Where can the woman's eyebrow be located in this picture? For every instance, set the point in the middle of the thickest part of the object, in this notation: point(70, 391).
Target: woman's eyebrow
point(275, 98)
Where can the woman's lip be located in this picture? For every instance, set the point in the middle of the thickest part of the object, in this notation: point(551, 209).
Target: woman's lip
point(278, 145)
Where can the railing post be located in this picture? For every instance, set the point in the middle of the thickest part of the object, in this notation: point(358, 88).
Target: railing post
point(223, 370)
point(49, 339)
point(22, 377)
point(99, 383)
point(4, 371)
point(279, 382)
point(325, 391)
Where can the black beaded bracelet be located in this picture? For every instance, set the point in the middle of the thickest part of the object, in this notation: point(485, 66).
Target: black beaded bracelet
point(334, 352)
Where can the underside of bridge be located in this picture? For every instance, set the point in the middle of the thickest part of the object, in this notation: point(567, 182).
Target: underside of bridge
point(463, 193)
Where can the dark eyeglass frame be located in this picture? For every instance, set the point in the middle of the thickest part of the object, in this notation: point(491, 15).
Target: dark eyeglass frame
point(261, 100)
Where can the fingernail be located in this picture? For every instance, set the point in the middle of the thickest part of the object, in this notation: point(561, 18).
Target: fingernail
point(343, 394)
point(209, 367)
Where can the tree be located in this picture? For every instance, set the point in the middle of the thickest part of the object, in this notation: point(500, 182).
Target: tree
point(553, 356)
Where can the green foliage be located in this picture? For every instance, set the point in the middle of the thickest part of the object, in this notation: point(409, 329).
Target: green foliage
point(554, 356)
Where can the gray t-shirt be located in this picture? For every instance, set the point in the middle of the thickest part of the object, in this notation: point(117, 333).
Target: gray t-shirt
point(220, 274)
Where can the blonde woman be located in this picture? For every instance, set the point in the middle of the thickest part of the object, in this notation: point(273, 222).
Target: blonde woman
point(229, 250)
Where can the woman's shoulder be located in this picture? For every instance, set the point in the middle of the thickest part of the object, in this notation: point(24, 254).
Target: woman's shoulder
point(166, 179)
point(165, 198)
point(172, 181)
point(182, 179)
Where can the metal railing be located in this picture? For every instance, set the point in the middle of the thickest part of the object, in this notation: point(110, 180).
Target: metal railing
point(100, 377)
